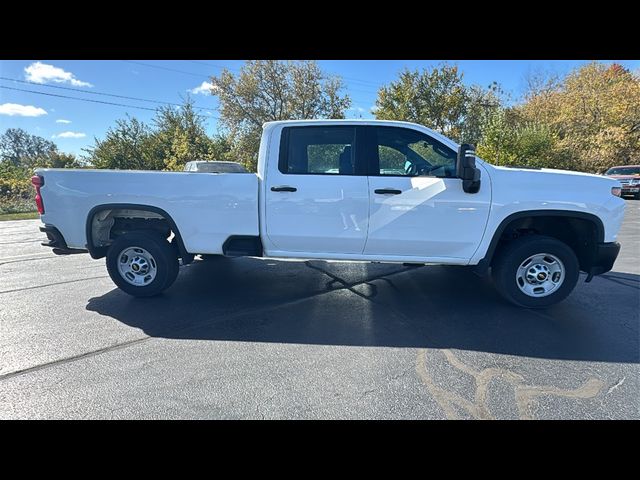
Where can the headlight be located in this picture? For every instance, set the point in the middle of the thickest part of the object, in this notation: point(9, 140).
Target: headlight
point(635, 182)
point(617, 191)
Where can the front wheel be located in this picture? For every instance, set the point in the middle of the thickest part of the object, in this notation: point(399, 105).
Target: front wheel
point(142, 264)
point(535, 271)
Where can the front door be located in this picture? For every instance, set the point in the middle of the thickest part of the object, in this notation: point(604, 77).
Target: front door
point(417, 206)
point(317, 197)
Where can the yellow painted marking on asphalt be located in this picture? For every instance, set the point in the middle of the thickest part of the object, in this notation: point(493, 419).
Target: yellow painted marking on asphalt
point(451, 403)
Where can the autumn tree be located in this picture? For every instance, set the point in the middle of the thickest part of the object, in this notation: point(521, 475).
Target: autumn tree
point(595, 111)
point(269, 90)
point(439, 99)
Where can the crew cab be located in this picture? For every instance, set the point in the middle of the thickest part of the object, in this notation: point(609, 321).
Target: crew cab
point(382, 191)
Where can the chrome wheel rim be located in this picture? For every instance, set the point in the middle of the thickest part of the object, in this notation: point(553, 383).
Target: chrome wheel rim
point(137, 266)
point(540, 275)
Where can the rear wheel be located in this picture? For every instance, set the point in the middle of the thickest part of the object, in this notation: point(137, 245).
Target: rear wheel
point(142, 264)
point(535, 271)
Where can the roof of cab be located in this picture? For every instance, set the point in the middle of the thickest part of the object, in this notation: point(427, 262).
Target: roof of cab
point(361, 121)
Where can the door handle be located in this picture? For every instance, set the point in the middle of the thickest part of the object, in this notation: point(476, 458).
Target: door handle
point(284, 188)
point(390, 191)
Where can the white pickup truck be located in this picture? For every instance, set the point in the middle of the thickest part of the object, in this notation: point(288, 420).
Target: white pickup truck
point(344, 190)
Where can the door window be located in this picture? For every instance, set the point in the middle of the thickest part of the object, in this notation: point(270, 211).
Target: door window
point(318, 151)
point(405, 152)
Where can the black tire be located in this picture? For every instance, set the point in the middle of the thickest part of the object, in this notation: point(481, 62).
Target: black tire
point(636, 196)
point(164, 255)
point(512, 255)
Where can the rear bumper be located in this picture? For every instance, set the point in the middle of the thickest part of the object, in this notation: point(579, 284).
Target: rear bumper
point(605, 257)
point(57, 241)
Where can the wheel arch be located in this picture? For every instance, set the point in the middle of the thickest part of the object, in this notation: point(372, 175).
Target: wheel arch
point(100, 252)
point(536, 216)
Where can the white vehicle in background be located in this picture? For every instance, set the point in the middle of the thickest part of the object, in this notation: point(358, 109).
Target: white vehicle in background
point(345, 190)
point(206, 166)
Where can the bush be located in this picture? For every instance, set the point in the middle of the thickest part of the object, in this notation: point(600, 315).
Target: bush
point(17, 205)
point(16, 191)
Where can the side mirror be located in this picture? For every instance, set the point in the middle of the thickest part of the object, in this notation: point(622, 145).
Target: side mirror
point(466, 168)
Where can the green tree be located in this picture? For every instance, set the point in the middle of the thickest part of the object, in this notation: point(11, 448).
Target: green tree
point(438, 99)
point(20, 154)
point(127, 146)
point(24, 150)
point(180, 136)
point(175, 136)
point(221, 148)
point(508, 140)
point(269, 90)
point(64, 160)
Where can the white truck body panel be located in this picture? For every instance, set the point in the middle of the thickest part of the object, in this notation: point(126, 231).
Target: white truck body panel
point(205, 206)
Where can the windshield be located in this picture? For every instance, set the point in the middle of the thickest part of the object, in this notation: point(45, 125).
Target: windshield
point(623, 171)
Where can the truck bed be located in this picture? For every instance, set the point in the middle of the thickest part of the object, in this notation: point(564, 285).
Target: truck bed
point(206, 207)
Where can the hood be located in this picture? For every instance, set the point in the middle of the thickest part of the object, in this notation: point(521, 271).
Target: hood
point(550, 171)
point(543, 178)
point(624, 177)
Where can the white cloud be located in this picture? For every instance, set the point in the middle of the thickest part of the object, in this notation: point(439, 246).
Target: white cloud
point(12, 109)
point(42, 73)
point(62, 120)
point(70, 135)
point(204, 88)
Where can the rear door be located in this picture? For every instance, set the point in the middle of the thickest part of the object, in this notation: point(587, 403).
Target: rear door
point(417, 205)
point(317, 199)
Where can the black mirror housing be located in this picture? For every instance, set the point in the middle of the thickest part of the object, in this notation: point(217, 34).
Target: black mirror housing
point(466, 168)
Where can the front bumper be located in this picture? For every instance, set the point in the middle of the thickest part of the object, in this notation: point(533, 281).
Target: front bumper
point(628, 190)
point(57, 241)
point(604, 258)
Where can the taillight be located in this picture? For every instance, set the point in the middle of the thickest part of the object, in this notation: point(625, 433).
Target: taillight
point(38, 182)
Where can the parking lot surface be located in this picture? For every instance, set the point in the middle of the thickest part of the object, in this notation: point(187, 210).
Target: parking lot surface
point(261, 338)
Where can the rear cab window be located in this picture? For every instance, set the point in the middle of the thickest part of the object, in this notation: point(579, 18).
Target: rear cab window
point(319, 150)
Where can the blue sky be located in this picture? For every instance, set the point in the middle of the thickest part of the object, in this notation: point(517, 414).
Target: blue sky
point(73, 124)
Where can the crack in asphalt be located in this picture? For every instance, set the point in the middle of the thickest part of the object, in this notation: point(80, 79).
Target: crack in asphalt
point(23, 241)
point(53, 284)
point(26, 260)
point(62, 361)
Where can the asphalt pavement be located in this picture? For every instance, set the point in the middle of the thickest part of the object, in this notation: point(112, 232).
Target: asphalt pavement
point(262, 338)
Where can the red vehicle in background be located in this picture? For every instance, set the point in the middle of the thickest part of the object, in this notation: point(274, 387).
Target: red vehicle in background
point(629, 177)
